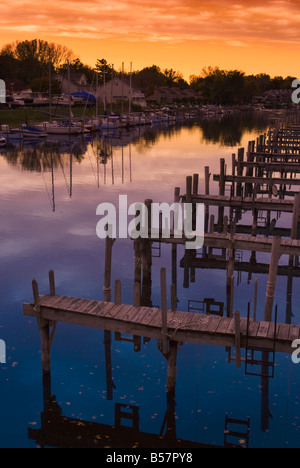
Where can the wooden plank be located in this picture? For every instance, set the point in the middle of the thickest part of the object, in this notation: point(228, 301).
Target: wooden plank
point(149, 316)
point(194, 321)
point(113, 311)
point(243, 326)
point(180, 319)
point(223, 325)
point(54, 301)
point(263, 329)
point(124, 312)
point(81, 305)
point(213, 324)
point(156, 321)
point(103, 310)
point(72, 302)
point(204, 321)
point(294, 333)
point(231, 327)
point(92, 304)
point(94, 307)
point(253, 328)
point(128, 317)
point(140, 315)
point(271, 331)
point(283, 332)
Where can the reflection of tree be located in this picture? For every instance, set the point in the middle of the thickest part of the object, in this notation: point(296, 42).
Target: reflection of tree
point(151, 136)
point(102, 149)
point(229, 130)
point(42, 157)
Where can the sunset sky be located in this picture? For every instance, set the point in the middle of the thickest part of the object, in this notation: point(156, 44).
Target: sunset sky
point(185, 35)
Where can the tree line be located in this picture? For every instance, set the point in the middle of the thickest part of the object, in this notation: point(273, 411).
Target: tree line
point(26, 63)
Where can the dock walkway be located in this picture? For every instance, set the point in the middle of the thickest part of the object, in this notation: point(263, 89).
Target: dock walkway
point(147, 322)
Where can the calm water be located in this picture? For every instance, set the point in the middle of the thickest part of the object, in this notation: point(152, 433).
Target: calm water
point(48, 198)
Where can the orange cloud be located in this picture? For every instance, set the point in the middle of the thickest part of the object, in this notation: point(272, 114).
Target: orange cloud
point(177, 20)
point(231, 26)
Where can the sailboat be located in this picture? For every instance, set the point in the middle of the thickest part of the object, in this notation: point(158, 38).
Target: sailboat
point(64, 127)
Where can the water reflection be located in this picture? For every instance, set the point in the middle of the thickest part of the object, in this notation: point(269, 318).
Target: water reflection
point(36, 155)
point(126, 430)
point(207, 386)
point(229, 130)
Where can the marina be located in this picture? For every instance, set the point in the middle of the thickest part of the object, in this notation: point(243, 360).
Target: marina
point(155, 305)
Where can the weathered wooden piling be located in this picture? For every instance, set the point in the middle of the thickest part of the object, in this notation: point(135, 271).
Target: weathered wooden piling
point(173, 298)
point(107, 264)
point(207, 177)
point(271, 285)
point(137, 295)
point(255, 299)
point(164, 309)
point(44, 326)
point(51, 283)
point(118, 292)
point(237, 321)
point(189, 183)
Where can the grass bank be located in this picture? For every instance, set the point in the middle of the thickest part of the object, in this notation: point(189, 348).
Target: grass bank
point(17, 117)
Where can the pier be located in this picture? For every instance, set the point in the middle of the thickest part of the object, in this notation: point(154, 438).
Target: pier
point(248, 341)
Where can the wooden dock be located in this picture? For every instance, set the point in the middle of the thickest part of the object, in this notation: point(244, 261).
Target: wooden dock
point(147, 322)
point(237, 241)
point(246, 203)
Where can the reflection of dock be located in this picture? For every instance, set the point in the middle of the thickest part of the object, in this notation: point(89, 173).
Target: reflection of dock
point(246, 204)
point(64, 432)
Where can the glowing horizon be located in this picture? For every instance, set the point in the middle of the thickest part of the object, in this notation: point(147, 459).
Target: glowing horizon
point(186, 35)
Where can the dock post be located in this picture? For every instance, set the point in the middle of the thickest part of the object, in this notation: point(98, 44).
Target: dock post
point(255, 299)
point(108, 258)
point(225, 232)
point(164, 309)
point(189, 182)
point(275, 256)
point(137, 295)
point(173, 298)
point(221, 193)
point(295, 222)
point(137, 261)
point(44, 327)
point(174, 246)
point(118, 292)
point(237, 319)
point(241, 153)
point(231, 297)
point(207, 176)
point(51, 283)
point(233, 174)
point(146, 256)
point(211, 231)
point(195, 184)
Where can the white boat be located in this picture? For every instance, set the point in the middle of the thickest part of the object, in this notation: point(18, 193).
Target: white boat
point(55, 128)
point(111, 122)
point(2, 141)
point(32, 132)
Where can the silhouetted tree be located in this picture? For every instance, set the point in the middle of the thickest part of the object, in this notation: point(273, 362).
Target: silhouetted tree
point(32, 57)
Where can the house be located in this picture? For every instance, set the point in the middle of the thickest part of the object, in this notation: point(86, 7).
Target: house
point(78, 82)
point(117, 89)
point(165, 95)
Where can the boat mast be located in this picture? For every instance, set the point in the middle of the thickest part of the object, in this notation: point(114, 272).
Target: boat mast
point(104, 85)
point(50, 91)
point(111, 88)
point(130, 91)
point(122, 87)
point(69, 92)
point(97, 85)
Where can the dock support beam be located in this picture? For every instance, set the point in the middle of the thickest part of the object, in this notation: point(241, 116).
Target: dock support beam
point(275, 256)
